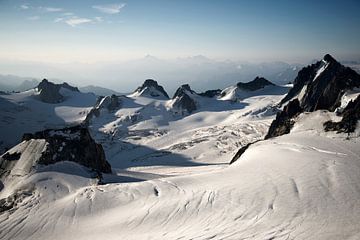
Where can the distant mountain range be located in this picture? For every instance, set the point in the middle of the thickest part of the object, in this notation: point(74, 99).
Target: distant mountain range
point(12, 83)
point(124, 76)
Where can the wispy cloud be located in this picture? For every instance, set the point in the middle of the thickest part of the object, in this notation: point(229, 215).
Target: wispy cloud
point(75, 21)
point(51, 9)
point(24, 7)
point(34, 18)
point(68, 14)
point(110, 8)
point(59, 20)
point(99, 19)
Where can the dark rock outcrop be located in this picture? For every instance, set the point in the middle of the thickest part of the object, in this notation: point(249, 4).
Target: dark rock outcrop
point(325, 81)
point(241, 152)
point(111, 103)
point(183, 100)
point(256, 84)
point(319, 86)
point(49, 92)
point(151, 88)
point(351, 116)
point(211, 93)
point(71, 144)
point(284, 119)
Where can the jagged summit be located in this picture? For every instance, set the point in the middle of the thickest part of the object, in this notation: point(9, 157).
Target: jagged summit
point(256, 84)
point(49, 92)
point(319, 86)
point(183, 99)
point(183, 89)
point(329, 58)
point(150, 88)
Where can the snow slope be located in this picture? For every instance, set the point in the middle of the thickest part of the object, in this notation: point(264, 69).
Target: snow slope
point(234, 93)
point(172, 179)
point(304, 185)
point(24, 113)
point(146, 135)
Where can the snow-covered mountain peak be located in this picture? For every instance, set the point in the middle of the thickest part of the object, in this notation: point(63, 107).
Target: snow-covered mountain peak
point(150, 88)
point(258, 86)
point(325, 85)
point(184, 99)
point(322, 84)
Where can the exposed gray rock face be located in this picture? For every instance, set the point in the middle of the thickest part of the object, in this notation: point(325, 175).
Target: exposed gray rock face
point(211, 93)
point(319, 86)
point(325, 83)
point(284, 120)
point(256, 84)
point(49, 92)
point(111, 103)
point(71, 144)
point(151, 88)
point(351, 117)
point(183, 100)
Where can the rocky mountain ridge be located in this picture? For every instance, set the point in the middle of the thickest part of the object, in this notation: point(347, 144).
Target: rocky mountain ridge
point(50, 92)
point(320, 86)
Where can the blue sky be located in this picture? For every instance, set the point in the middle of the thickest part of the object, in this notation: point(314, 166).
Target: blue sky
point(90, 31)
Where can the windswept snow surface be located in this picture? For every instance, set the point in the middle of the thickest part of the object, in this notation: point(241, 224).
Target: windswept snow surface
point(148, 136)
point(172, 180)
point(304, 185)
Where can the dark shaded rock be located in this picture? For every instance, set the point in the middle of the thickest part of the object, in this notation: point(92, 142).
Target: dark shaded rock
point(182, 99)
point(12, 201)
point(283, 121)
point(241, 151)
point(211, 93)
point(323, 85)
point(183, 89)
point(11, 157)
point(351, 116)
point(256, 84)
point(114, 103)
point(111, 103)
point(71, 144)
point(326, 90)
point(148, 88)
point(49, 92)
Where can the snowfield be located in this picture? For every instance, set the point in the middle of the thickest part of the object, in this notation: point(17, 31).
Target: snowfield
point(24, 113)
point(172, 179)
point(305, 185)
